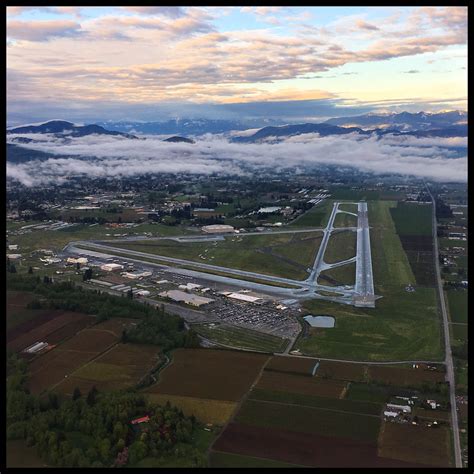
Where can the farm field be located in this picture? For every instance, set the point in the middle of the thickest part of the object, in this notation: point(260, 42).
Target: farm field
point(341, 371)
point(225, 460)
point(342, 275)
point(121, 367)
point(301, 384)
point(256, 253)
point(306, 419)
point(52, 326)
point(448, 243)
point(412, 218)
point(18, 454)
point(404, 377)
point(370, 393)
point(457, 301)
point(296, 366)
point(241, 338)
point(54, 366)
point(205, 369)
point(459, 332)
point(217, 412)
point(345, 220)
point(17, 311)
point(415, 444)
point(301, 448)
point(341, 246)
point(338, 404)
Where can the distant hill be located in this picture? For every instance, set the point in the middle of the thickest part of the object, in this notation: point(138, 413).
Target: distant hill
point(61, 128)
point(177, 139)
point(404, 121)
point(19, 154)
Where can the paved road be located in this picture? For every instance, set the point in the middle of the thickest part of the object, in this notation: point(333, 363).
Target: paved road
point(447, 344)
point(364, 287)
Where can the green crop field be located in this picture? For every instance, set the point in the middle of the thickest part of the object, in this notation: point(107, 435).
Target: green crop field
point(367, 393)
point(412, 218)
point(309, 420)
point(256, 253)
point(457, 300)
point(341, 246)
point(241, 338)
point(317, 216)
point(226, 460)
point(459, 332)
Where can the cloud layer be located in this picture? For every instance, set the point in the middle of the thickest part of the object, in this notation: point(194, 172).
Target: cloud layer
point(435, 159)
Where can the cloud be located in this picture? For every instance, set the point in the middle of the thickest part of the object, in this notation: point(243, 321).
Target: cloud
point(364, 25)
point(43, 30)
point(171, 12)
point(434, 159)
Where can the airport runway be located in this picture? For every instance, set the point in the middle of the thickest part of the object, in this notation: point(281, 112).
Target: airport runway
point(306, 289)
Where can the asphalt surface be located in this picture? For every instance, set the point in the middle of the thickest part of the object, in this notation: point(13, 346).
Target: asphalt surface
point(304, 289)
point(447, 344)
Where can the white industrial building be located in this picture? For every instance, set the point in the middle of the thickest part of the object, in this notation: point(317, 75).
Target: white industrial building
point(36, 347)
point(134, 276)
point(217, 229)
point(80, 260)
point(188, 298)
point(246, 298)
point(111, 267)
point(14, 256)
point(189, 286)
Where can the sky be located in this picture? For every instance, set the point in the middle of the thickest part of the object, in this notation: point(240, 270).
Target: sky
point(294, 63)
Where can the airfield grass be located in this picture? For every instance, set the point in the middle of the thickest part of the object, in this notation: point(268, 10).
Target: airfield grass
point(255, 253)
point(345, 220)
point(354, 194)
point(57, 239)
point(341, 246)
point(402, 326)
point(241, 338)
point(350, 207)
point(317, 216)
point(343, 275)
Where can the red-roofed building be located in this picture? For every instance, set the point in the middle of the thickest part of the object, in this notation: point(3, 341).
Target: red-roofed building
point(143, 419)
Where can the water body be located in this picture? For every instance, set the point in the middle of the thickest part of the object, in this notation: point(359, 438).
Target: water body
point(320, 321)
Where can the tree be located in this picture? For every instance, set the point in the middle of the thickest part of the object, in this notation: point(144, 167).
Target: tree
point(92, 396)
point(30, 270)
point(130, 294)
point(76, 394)
point(12, 268)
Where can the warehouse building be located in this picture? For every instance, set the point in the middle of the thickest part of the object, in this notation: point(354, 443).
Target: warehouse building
point(188, 298)
point(111, 267)
point(217, 229)
point(246, 298)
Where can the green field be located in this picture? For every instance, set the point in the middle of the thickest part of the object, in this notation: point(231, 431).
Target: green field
point(343, 275)
point(341, 246)
point(402, 326)
point(354, 194)
point(317, 216)
point(57, 239)
point(447, 243)
point(347, 405)
point(459, 332)
point(286, 255)
point(367, 393)
point(309, 420)
point(227, 460)
point(345, 220)
point(457, 301)
point(413, 218)
point(241, 338)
